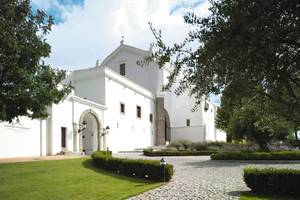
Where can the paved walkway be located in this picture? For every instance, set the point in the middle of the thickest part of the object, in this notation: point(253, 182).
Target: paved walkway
point(198, 177)
point(38, 158)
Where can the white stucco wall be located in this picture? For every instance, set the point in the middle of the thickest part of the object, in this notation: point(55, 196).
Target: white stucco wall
point(146, 76)
point(192, 133)
point(89, 84)
point(22, 139)
point(61, 116)
point(128, 132)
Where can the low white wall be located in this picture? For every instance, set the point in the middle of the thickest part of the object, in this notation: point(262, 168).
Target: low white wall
point(191, 133)
point(21, 139)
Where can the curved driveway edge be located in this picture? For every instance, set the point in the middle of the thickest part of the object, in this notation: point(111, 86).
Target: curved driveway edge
point(198, 177)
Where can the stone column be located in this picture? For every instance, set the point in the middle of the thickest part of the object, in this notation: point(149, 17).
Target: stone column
point(160, 122)
point(99, 139)
point(75, 140)
point(80, 134)
point(104, 141)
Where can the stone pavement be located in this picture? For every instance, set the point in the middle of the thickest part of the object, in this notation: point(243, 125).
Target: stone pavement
point(198, 177)
point(39, 158)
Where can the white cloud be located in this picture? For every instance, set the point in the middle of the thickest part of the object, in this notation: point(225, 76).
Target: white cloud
point(91, 32)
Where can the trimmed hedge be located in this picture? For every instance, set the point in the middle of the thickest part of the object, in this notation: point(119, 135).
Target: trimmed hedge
point(147, 169)
point(275, 155)
point(177, 153)
point(273, 181)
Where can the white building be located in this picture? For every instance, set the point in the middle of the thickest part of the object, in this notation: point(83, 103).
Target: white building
point(117, 105)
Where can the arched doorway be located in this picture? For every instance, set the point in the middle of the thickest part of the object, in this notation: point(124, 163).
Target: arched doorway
point(90, 136)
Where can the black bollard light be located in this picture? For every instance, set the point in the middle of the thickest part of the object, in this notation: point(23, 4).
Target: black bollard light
point(163, 163)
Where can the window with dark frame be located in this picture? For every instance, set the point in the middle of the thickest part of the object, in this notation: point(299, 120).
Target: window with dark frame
point(138, 111)
point(188, 122)
point(122, 108)
point(63, 137)
point(122, 69)
point(151, 118)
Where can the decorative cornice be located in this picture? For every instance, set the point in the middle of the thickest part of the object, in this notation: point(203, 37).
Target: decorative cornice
point(88, 103)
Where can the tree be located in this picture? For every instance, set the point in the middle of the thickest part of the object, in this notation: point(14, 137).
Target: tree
point(246, 48)
point(252, 119)
point(27, 85)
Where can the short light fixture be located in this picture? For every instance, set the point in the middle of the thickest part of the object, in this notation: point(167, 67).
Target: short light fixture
point(163, 163)
point(82, 127)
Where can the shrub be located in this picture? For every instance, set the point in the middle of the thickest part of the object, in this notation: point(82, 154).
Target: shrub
point(275, 155)
point(293, 143)
point(147, 169)
point(102, 153)
point(181, 145)
point(273, 181)
point(177, 153)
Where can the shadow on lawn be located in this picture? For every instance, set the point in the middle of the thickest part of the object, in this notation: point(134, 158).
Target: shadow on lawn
point(246, 195)
point(88, 163)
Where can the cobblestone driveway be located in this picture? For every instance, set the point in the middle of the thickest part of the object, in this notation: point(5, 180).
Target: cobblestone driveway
point(198, 177)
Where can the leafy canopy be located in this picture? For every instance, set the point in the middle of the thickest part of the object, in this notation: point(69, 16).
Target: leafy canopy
point(27, 85)
point(246, 48)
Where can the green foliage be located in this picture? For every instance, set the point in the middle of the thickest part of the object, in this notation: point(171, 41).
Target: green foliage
point(252, 119)
point(102, 153)
point(243, 48)
point(273, 181)
point(28, 86)
point(181, 145)
point(147, 169)
point(75, 179)
point(177, 153)
point(185, 145)
point(293, 143)
point(275, 155)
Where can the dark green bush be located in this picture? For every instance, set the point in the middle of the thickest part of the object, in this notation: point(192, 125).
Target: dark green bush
point(293, 143)
point(273, 181)
point(147, 169)
point(275, 155)
point(176, 153)
point(102, 153)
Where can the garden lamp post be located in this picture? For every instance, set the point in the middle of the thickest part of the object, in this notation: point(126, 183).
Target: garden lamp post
point(163, 163)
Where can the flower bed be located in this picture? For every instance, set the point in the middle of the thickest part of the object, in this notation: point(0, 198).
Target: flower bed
point(147, 169)
point(275, 155)
point(149, 152)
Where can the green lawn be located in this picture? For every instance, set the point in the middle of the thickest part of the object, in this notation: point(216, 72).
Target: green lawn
point(66, 179)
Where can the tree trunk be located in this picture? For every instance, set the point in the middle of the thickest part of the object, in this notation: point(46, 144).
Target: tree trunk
point(262, 143)
point(296, 135)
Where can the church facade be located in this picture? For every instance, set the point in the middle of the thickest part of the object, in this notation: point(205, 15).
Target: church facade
point(115, 105)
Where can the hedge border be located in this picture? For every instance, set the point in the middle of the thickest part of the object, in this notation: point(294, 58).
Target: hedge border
point(177, 153)
point(140, 168)
point(275, 155)
point(273, 181)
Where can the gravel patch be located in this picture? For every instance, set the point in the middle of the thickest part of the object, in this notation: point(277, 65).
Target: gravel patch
point(198, 177)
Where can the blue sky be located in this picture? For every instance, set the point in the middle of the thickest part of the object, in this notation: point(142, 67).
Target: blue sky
point(54, 8)
point(88, 30)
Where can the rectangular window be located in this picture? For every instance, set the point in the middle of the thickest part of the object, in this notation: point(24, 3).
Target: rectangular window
point(188, 122)
point(151, 117)
point(63, 137)
point(122, 108)
point(122, 69)
point(138, 111)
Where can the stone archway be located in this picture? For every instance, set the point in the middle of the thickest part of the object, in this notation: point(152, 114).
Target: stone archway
point(90, 139)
